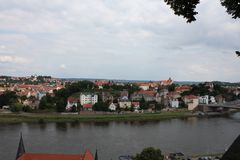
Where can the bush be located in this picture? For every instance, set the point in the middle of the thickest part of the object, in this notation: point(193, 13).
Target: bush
point(17, 107)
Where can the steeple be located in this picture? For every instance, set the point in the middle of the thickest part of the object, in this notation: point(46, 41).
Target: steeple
point(96, 155)
point(21, 149)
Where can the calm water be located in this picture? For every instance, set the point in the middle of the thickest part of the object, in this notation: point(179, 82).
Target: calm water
point(190, 136)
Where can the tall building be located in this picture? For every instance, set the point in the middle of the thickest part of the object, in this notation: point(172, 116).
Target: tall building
point(88, 98)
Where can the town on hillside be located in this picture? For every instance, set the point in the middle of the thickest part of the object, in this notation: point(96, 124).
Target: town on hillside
point(44, 93)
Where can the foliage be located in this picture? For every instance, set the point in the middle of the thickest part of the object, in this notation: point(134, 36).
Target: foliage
point(149, 154)
point(172, 87)
point(74, 108)
point(8, 98)
point(17, 107)
point(185, 8)
point(100, 106)
point(233, 7)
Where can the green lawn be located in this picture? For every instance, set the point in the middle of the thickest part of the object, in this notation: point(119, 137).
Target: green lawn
point(54, 117)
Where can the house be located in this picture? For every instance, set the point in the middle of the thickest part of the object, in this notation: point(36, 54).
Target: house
point(212, 100)
point(147, 95)
point(23, 155)
point(191, 101)
point(87, 107)
point(107, 96)
point(144, 86)
point(204, 99)
point(183, 88)
point(136, 106)
point(125, 104)
point(71, 101)
point(112, 107)
point(174, 103)
point(88, 98)
point(220, 99)
point(101, 83)
point(124, 95)
point(166, 82)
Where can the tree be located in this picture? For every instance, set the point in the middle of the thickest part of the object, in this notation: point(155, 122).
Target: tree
point(100, 106)
point(233, 7)
point(186, 8)
point(149, 154)
point(74, 108)
point(61, 105)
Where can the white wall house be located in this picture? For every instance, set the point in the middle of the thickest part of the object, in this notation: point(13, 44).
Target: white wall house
point(88, 98)
point(191, 101)
point(174, 103)
point(204, 99)
point(112, 107)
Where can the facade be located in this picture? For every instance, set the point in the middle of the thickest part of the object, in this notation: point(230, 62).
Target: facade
point(191, 101)
point(112, 107)
point(204, 99)
point(174, 103)
point(71, 102)
point(88, 98)
point(125, 104)
point(107, 96)
point(88, 107)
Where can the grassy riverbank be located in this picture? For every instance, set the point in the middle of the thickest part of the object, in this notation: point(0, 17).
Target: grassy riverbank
point(55, 117)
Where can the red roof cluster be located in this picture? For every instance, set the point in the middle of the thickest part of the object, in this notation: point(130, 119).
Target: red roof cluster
point(183, 88)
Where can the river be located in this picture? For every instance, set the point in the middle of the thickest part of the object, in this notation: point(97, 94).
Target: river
point(112, 139)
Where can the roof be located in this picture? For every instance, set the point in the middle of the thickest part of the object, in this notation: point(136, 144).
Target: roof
point(233, 153)
point(31, 156)
point(72, 100)
point(190, 97)
point(87, 106)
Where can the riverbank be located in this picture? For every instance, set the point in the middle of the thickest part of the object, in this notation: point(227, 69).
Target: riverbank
point(56, 117)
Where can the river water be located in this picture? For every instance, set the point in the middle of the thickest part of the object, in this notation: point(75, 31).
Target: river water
point(189, 135)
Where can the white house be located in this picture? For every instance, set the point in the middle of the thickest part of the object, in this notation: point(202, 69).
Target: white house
point(204, 99)
point(212, 100)
point(88, 98)
point(112, 107)
point(174, 103)
point(125, 104)
point(71, 102)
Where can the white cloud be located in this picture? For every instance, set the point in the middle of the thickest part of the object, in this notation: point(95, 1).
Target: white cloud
point(13, 59)
point(62, 66)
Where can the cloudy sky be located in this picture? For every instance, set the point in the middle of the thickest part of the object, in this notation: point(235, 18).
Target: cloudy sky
point(117, 39)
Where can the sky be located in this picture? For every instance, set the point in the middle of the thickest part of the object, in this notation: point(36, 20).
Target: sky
point(117, 39)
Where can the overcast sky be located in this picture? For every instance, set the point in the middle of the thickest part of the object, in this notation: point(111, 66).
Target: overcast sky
point(117, 39)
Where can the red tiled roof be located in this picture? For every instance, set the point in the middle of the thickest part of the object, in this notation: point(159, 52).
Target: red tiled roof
point(31, 156)
point(35, 156)
point(72, 100)
point(190, 97)
point(183, 88)
point(87, 106)
point(150, 93)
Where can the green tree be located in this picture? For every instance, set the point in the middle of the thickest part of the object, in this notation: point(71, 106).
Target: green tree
point(74, 108)
point(61, 105)
point(16, 107)
point(186, 8)
point(100, 106)
point(149, 154)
